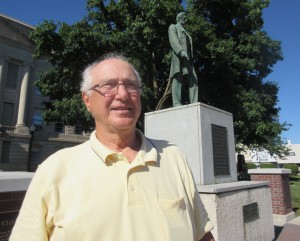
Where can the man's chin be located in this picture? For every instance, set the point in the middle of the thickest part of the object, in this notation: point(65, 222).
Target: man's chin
point(124, 123)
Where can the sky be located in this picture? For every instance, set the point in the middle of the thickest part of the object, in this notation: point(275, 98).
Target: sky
point(281, 22)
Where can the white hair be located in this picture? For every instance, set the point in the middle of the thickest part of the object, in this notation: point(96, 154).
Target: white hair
point(86, 83)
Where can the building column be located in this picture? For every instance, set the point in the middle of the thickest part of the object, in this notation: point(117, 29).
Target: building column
point(1, 69)
point(23, 97)
point(2, 62)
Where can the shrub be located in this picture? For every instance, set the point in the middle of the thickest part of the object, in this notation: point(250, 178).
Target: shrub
point(250, 165)
point(292, 167)
point(267, 165)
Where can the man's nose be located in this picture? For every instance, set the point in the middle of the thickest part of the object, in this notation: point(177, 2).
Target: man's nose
point(121, 91)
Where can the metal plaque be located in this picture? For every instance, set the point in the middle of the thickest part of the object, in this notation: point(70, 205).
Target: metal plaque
point(250, 212)
point(220, 150)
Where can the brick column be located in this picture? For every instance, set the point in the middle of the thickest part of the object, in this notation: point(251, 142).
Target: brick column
point(280, 191)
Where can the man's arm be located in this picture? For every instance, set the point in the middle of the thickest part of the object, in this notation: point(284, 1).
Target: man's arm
point(31, 224)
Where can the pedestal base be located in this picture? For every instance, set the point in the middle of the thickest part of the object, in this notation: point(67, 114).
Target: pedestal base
point(22, 130)
point(225, 204)
point(281, 220)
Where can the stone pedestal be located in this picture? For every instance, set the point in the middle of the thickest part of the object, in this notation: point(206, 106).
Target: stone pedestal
point(204, 133)
point(238, 210)
point(280, 190)
point(13, 186)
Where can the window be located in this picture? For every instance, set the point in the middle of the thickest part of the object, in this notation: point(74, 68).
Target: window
point(7, 114)
point(12, 75)
point(37, 91)
point(292, 154)
point(78, 129)
point(5, 151)
point(59, 127)
point(38, 118)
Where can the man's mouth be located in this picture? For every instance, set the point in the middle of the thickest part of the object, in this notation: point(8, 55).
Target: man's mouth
point(121, 108)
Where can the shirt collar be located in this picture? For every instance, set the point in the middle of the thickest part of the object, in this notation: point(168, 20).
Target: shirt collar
point(147, 152)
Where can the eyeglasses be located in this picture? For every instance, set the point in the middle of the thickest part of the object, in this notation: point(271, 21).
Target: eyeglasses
point(110, 88)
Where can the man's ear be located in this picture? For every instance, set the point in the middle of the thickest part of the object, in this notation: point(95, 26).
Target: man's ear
point(86, 100)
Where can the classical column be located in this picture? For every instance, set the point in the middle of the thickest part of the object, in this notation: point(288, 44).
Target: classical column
point(23, 96)
point(1, 68)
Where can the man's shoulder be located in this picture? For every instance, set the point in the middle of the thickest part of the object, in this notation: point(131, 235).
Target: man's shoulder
point(163, 146)
point(68, 154)
point(63, 164)
point(74, 150)
point(171, 157)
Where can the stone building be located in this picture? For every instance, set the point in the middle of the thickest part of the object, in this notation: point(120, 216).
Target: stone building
point(21, 104)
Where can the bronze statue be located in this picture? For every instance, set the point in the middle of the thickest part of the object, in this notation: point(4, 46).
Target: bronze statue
point(182, 69)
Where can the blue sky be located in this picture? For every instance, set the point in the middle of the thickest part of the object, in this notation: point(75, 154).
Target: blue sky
point(282, 21)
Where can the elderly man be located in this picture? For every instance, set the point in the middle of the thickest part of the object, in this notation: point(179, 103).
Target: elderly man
point(182, 70)
point(119, 185)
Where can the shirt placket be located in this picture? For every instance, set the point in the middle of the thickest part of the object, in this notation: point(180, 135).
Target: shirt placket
point(133, 189)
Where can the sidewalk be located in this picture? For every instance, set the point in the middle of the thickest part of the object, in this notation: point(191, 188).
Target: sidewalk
point(290, 231)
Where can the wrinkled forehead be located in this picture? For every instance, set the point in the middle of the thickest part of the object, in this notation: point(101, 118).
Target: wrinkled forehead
point(113, 69)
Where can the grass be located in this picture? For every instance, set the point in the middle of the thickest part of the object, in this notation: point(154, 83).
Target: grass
point(295, 193)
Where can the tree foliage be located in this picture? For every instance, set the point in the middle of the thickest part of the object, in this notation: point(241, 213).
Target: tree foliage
point(234, 56)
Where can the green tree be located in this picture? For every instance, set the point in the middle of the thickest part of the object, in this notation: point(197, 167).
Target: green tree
point(136, 28)
point(68, 49)
point(233, 53)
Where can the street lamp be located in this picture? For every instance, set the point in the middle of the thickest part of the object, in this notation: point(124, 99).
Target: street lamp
point(32, 129)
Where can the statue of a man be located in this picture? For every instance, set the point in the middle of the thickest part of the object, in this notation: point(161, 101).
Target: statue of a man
point(182, 69)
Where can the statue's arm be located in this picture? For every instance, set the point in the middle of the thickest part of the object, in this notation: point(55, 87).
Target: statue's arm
point(174, 41)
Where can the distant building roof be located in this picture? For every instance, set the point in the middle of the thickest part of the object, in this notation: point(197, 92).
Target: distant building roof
point(15, 31)
point(294, 155)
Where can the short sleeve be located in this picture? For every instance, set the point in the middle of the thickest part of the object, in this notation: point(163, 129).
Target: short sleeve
point(31, 223)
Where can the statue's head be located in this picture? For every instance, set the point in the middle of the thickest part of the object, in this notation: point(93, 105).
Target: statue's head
point(181, 18)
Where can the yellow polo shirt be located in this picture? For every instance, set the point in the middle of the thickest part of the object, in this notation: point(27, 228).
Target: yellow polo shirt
point(90, 193)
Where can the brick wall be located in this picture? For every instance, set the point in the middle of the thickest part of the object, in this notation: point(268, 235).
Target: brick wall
point(280, 191)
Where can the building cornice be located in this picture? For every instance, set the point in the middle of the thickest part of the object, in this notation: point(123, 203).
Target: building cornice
point(16, 21)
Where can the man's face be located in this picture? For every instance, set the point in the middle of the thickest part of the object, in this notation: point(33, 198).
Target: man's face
point(117, 112)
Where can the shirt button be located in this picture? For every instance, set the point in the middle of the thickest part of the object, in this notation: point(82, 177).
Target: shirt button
point(132, 188)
